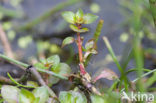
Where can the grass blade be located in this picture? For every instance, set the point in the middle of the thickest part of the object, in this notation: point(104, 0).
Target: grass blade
point(123, 76)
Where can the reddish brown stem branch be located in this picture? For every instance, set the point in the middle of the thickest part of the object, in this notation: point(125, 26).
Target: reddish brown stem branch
point(79, 44)
point(80, 48)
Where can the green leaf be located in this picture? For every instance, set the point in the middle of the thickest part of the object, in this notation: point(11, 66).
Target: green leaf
point(72, 97)
point(75, 28)
point(36, 100)
point(41, 93)
point(97, 99)
point(79, 13)
point(79, 16)
point(67, 40)
point(55, 60)
point(90, 44)
point(69, 16)
point(43, 61)
point(10, 93)
point(63, 69)
point(90, 48)
point(105, 73)
point(53, 80)
point(40, 65)
point(83, 30)
point(26, 97)
point(89, 18)
point(86, 55)
point(46, 63)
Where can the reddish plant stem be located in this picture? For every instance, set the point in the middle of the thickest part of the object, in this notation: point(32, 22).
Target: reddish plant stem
point(79, 44)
